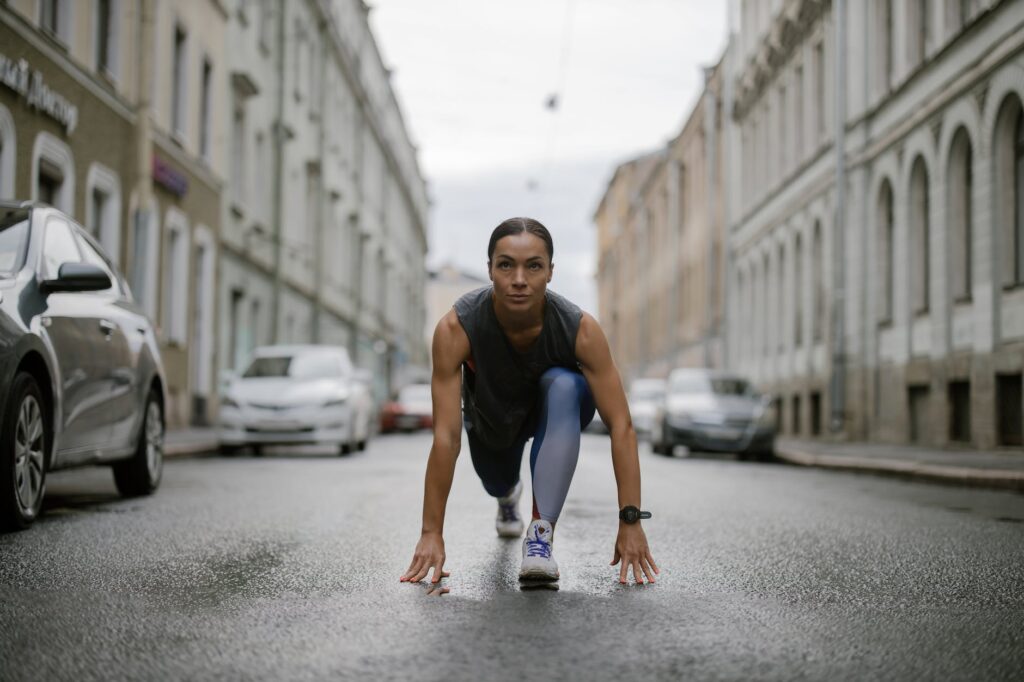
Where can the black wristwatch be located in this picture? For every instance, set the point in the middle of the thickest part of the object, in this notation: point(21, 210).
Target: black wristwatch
point(631, 514)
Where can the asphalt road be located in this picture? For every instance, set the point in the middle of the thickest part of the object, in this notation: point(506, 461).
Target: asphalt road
point(287, 567)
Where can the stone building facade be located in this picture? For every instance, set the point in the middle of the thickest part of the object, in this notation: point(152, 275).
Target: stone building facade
point(892, 310)
point(326, 210)
point(661, 256)
point(122, 139)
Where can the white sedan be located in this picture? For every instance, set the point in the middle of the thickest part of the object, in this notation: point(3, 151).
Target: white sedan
point(292, 395)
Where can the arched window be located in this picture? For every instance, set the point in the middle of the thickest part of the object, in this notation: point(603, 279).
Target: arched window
point(176, 277)
point(780, 297)
point(798, 292)
point(960, 181)
point(885, 49)
point(818, 282)
point(8, 142)
point(1008, 178)
point(886, 243)
point(920, 236)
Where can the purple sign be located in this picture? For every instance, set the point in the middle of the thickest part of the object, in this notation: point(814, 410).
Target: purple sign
point(168, 178)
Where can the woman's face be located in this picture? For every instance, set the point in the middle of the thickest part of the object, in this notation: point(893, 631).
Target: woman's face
point(520, 270)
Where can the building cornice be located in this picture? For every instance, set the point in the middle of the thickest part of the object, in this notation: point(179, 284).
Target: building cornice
point(789, 27)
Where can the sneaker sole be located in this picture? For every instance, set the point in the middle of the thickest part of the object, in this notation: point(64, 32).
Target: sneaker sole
point(537, 576)
point(510, 533)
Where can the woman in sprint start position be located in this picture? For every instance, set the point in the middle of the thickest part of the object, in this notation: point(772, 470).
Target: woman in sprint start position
point(530, 364)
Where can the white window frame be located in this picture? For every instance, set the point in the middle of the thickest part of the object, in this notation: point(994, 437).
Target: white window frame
point(48, 147)
point(176, 289)
point(113, 70)
point(206, 89)
point(106, 180)
point(8, 153)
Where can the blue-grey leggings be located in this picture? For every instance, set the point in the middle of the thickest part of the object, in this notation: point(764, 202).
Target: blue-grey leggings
point(565, 407)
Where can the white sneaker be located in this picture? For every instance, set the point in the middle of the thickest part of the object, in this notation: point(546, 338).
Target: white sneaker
point(538, 564)
point(509, 524)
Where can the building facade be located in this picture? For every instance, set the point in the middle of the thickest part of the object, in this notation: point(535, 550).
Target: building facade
point(877, 234)
point(121, 138)
point(325, 215)
point(661, 256)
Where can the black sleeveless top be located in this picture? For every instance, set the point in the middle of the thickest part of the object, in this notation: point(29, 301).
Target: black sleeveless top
point(500, 384)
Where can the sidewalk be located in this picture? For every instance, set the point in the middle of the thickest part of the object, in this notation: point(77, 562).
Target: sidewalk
point(191, 441)
point(984, 468)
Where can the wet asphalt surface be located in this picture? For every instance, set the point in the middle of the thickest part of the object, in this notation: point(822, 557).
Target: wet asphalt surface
point(286, 567)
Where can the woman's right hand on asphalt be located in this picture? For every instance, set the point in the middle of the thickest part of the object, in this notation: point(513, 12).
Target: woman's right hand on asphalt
point(429, 554)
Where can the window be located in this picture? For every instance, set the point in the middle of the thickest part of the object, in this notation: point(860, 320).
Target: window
point(298, 55)
point(178, 92)
point(798, 114)
point(1018, 207)
point(960, 209)
point(239, 167)
point(798, 292)
point(783, 119)
point(260, 185)
point(49, 16)
point(103, 37)
point(204, 110)
point(819, 88)
point(145, 264)
point(234, 333)
point(49, 183)
point(59, 247)
point(920, 235)
point(817, 265)
point(886, 244)
point(98, 202)
point(919, 31)
point(265, 24)
point(780, 298)
point(885, 51)
point(1008, 404)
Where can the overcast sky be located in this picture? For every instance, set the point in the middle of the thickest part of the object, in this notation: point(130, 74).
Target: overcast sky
point(473, 78)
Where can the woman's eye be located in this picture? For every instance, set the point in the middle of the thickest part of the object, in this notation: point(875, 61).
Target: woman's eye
point(535, 266)
point(503, 266)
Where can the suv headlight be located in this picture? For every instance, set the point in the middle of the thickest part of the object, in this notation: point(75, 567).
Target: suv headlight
point(228, 401)
point(767, 418)
point(337, 401)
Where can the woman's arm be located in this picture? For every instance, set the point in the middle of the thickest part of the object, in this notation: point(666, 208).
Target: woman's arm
point(450, 350)
point(595, 358)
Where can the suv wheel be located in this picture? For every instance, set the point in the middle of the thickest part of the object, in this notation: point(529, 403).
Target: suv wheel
point(24, 439)
point(141, 474)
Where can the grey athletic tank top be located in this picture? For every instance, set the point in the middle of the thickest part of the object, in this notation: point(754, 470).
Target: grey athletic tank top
point(500, 384)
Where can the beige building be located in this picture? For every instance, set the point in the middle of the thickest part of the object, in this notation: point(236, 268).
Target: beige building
point(125, 141)
point(661, 267)
point(893, 309)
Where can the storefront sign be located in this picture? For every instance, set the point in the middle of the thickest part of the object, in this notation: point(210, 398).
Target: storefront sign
point(17, 76)
point(168, 178)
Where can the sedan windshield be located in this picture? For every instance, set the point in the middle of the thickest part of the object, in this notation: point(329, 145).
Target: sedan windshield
point(13, 235)
point(312, 366)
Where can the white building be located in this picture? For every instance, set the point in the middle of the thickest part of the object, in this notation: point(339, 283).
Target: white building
point(325, 217)
point(896, 306)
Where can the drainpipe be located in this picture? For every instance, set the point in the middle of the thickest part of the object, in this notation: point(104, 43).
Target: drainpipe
point(277, 211)
point(838, 383)
point(726, 229)
point(319, 221)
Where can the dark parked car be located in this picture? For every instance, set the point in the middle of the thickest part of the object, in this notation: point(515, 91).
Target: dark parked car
point(714, 411)
point(81, 381)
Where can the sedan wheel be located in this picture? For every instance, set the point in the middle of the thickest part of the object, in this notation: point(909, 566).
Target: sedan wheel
point(141, 474)
point(24, 437)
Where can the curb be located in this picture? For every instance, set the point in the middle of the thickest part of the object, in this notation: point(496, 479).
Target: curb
point(1003, 479)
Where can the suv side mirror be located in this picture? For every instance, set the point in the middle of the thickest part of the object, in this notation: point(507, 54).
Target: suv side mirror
point(77, 277)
